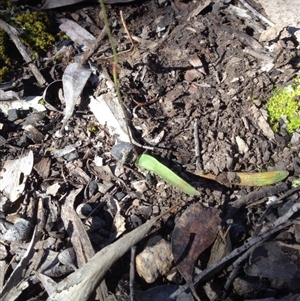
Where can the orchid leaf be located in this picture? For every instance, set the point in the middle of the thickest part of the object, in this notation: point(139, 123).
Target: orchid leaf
point(150, 163)
point(246, 178)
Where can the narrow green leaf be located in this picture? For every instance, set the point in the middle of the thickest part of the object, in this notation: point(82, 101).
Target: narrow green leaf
point(262, 178)
point(254, 179)
point(150, 163)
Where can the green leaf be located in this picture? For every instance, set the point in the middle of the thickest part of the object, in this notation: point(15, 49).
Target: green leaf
point(254, 179)
point(150, 163)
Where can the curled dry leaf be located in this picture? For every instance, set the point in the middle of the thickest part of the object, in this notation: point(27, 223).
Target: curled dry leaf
point(8, 95)
point(194, 232)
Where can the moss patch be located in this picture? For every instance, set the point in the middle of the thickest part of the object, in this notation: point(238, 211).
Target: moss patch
point(285, 102)
point(35, 28)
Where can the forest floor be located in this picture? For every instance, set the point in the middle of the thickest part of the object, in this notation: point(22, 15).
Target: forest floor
point(195, 86)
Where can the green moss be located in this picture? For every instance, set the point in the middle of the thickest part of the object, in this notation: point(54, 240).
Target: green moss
point(285, 102)
point(35, 28)
point(5, 60)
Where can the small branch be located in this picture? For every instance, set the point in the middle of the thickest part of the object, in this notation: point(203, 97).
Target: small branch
point(94, 46)
point(132, 273)
point(127, 31)
point(197, 145)
point(282, 219)
point(22, 49)
point(236, 265)
point(256, 13)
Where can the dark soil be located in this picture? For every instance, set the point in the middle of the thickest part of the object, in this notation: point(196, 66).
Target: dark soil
point(192, 69)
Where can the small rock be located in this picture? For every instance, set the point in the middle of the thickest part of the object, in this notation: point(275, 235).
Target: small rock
point(67, 257)
point(242, 146)
point(191, 75)
point(140, 186)
point(120, 195)
point(155, 260)
point(295, 138)
point(145, 211)
point(18, 232)
point(84, 210)
point(135, 220)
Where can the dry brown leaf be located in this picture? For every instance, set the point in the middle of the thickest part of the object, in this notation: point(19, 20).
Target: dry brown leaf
point(194, 232)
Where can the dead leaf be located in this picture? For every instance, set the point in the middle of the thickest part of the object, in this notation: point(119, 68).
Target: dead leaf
point(42, 167)
point(77, 33)
point(14, 174)
point(29, 102)
point(8, 95)
point(74, 80)
point(261, 122)
point(119, 224)
point(194, 232)
point(58, 3)
point(108, 111)
point(269, 261)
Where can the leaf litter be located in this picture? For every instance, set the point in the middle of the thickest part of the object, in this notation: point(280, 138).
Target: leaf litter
point(229, 73)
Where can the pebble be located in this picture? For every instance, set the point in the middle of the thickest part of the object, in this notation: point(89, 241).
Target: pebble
point(155, 260)
point(18, 232)
point(83, 210)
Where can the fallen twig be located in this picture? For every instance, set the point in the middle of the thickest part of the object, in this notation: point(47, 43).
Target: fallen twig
point(253, 197)
point(197, 145)
point(132, 273)
point(256, 13)
point(94, 46)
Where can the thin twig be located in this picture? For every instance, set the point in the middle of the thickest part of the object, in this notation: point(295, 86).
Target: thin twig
point(282, 219)
point(236, 266)
point(22, 49)
point(127, 31)
point(252, 197)
point(115, 74)
point(256, 13)
point(271, 225)
point(197, 145)
point(263, 216)
point(94, 46)
point(132, 273)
